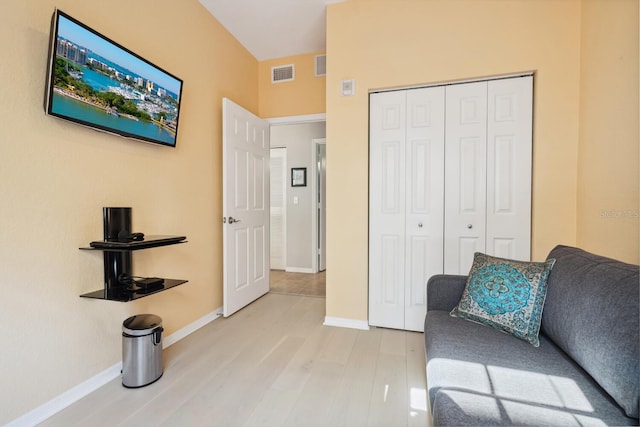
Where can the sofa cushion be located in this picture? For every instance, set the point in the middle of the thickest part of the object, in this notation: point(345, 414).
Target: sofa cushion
point(480, 410)
point(592, 313)
point(505, 294)
point(479, 376)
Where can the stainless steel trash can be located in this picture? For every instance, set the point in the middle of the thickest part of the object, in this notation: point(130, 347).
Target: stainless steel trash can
point(141, 350)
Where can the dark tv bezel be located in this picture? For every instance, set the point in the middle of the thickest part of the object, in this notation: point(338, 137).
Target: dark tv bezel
point(48, 102)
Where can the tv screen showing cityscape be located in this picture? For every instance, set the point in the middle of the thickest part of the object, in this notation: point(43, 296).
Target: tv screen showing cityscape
point(96, 82)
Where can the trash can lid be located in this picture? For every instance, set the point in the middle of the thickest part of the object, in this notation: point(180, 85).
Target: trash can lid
point(141, 324)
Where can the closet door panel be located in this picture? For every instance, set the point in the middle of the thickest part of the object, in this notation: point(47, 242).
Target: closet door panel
point(418, 250)
point(390, 167)
point(424, 198)
point(468, 152)
point(509, 152)
point(391, 274)
point(465, 175)
point(465, 247)
point(387, 209)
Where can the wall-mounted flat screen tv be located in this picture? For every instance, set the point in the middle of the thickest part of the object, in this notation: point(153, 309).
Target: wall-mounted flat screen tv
point(96, 82)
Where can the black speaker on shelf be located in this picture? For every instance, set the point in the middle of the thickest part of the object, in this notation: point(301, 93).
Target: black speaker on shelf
point(116, 225)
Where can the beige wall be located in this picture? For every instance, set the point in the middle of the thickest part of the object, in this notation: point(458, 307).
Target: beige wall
point(305, 95)
point(388, 43)
point(51, 196)
point(608, 180)
point(55, 177)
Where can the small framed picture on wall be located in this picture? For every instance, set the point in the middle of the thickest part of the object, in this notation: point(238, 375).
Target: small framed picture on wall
point(298, 177)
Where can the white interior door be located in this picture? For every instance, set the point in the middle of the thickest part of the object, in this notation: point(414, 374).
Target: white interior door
point(245, 152)
point(278, 208)
point(465, 176)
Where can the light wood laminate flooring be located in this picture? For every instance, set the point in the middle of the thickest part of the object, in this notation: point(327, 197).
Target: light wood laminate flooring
point(282, 282)
point(272, 364)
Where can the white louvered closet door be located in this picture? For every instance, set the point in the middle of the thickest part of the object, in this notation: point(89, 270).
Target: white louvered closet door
point(406, 197)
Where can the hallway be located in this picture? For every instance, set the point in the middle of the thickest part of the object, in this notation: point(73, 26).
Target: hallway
point(298, 283)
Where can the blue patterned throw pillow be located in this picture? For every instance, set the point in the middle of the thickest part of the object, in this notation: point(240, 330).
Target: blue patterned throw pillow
point(506, 294)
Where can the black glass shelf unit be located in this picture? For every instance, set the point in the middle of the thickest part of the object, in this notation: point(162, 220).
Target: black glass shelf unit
point(127, 293)
point(118, 261)
point(147, 243)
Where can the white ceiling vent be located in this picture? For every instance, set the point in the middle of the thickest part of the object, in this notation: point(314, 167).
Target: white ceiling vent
point(283, 73)
point(321, 65)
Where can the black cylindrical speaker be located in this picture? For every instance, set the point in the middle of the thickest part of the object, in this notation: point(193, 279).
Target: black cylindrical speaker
point(116, 222)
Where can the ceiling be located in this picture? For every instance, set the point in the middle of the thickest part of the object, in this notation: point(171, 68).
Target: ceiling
point(273, 28)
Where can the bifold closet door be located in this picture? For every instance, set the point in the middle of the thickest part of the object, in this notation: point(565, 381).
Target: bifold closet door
point(465, 175)
point(450, 175)
point(424, 199)
point(488, 171)
point(406, 203)
point(509, 163)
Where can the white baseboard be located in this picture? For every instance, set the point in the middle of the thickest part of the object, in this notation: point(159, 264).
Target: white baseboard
point(191, 328)
point(71, 396)
point(60, 402)
point(298, 270)
point(346, 323)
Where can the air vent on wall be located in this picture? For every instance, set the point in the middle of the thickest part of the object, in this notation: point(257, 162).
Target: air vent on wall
point(283, 73)
point(321, 65)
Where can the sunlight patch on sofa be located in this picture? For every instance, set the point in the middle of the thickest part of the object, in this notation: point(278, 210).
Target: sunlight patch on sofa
point(505, 411)
point(473, 405)
point(468, 375)
point(541, 388)
point(522, 413)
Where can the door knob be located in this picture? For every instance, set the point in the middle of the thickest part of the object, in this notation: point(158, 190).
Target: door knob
point(419, 225)
point(469, 226)
point(232, 220)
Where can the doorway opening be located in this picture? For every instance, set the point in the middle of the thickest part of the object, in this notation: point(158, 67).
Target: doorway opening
point(298, 225)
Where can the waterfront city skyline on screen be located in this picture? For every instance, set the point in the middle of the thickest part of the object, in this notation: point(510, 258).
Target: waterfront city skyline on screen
point(89, 40)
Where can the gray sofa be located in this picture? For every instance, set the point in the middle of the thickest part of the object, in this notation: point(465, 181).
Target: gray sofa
point(584, 373)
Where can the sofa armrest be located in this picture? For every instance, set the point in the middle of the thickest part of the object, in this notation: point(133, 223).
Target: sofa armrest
point(444, 291)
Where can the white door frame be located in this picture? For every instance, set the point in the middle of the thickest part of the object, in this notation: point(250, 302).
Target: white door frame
point(292, 120)
point(315, 220)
